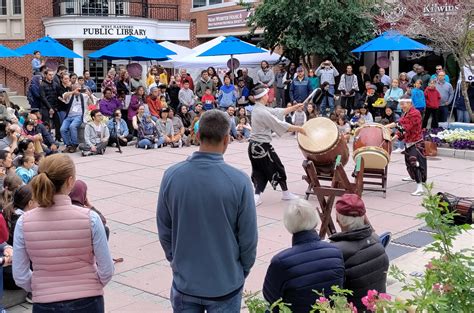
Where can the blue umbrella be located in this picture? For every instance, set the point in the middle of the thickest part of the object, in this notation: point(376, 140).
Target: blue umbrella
point(49, 47)
point(391, 41)
point(129, 48)
point(8, 53)
point(157, 47)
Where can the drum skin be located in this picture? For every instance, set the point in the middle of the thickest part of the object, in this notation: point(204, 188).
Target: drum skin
point(323, 142)
point(369, 143)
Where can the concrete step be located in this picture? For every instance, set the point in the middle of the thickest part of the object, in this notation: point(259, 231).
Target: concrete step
point(21, 101)
point(13, 297)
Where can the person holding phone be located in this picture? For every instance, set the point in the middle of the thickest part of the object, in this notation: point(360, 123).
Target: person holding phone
point(77, 100)
point(327, 73)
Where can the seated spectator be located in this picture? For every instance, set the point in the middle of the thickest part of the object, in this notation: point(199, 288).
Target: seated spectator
point(147, 133)
point(9, 185)
point(10, 141)
point(208, 101)
point(178, 127)
point(155, 84)
point(164, 103)
point(186, 95)
point(368, 99)
point(154, 103)
point(79, 197)
point(25, 170)
point(137, 100)
point(243, 128)
point(22, 201)
point(29, 132)
point(96, 136)
point(186, 119)
point(233, 123)
point(118, 129)
point(89, 82)
point(299, 117)
point(310, 264)
point(73, 238)
point(76, 111)
point(26, 147)
point(243, 93)
point(227, 95)
point(108, 104)
point(165, 128)
point(310, 112)
point(6, 166)
point(49, 146)
point(389, 116)
point(195, 124)
point(366, 115)
point(344, 127)
point(366, 263)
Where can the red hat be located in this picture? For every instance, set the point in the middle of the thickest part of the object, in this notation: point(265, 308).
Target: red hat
point(350, 205)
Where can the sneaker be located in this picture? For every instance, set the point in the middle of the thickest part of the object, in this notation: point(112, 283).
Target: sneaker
point(86, 153)
point(180, 143)
point(29, 298)
point(417, 193)
point(258, 200)
point(146, 147)
point(407, 179)
point(286, 195)
point(114, 145)
point(155, 146)
point(398, 150)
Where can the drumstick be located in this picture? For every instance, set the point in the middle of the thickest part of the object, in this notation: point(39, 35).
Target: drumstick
point(311, 95)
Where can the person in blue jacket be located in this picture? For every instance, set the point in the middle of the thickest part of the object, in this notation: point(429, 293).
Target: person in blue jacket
point(310, 264)
point(418, 97)
point(300, 87)
point(227, 95)
point(34, 95)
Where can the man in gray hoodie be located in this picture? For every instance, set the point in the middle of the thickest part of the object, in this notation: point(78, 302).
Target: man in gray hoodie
point(204, 83)
point(96, 135)
point(446, 91)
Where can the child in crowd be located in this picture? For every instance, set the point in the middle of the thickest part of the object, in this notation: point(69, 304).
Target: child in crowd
point(25, 171)
point(344, 127)
point(310, 112)
point(366, 115)
point(299, 117)
point(354, 122)
point(243, 128)
point(163, 102)
point(289, 116)
point(417, 97)
point(333, 117)
point(208, 100)
point(433, 99)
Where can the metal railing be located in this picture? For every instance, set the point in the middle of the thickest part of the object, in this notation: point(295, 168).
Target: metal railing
point(8, 72)
point(113, 8)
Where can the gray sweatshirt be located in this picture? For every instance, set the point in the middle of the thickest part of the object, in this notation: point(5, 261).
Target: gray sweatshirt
point(266, 77)
point(186, 97)
point(327, 75)
point(446, 91)
point(93, 137)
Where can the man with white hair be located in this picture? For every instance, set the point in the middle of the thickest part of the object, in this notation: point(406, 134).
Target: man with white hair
point(365, 260)
point(266, 165)
point(409, 130)
point(310, 264)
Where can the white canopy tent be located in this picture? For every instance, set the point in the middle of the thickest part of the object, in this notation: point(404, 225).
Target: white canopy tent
point(180, 53)
point(193, 60)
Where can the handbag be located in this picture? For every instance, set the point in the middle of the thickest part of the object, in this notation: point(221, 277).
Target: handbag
point(431, 149)
point(379, 103)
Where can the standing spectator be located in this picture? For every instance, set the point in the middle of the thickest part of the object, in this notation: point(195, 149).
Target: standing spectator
point(310, 264)
point(173, 91)
point(164, 94)
point(227, 95)
point(243, 93)
point(152, 73)
point(108, 104)
point(348, 86)
point(322, 99)
point(211, 72)
point(62, 88)
point(154, 103)
point(362, 78)
point(299, 117)
point(384, 79)
point(49, 97)
point(109, 81)
point(89, 82)
point(247, 79)
point(266, 77)
point(118, 129)
point(186, 76)
point(79, 264)
point(413, 72)
point(447, 94)
point(280, 85)
point(137, 100)
point(379, 85)
point(403, 81)
point(392, 96)
point(136, 81)
point(37, 63)
point(422, 75)
point(433, 99)
point(34, 92)
point(76, 115)
point(290, 75)
point(417, 97)
point(365, 260)
point(462, 114)
point(439, 68)
point(217, 83)
point(204, 82)
point(123, 84)
point(186, 95)
point(327, 72)
point(300, 87)
point(96, 135)
point(62, 69)
point(313, 79)
point(156, 83)
point(163, 75)
point(73, 78)
point(209, 267)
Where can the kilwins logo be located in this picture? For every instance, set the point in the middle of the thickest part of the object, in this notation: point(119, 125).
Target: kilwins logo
point(440, 9)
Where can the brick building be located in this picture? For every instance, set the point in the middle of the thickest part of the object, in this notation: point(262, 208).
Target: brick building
point(88, 25)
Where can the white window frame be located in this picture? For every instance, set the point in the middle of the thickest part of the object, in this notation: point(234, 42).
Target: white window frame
point(13, 17)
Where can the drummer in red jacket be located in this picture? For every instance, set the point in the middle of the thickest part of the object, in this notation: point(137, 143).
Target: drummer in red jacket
point(409, 130)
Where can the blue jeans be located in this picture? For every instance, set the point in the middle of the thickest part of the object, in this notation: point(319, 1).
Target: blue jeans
point(331, 99)
point(324, 102)
point(69, 129)
point(463, 116)
point(443, 113)
point(84, 305)
point(147, 142)
point(62, 116)
point(188, 304)
point(233, 130)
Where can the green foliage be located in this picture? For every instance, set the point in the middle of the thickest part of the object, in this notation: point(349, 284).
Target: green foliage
point(329, 29)
point(337, 302)
point(256, 304)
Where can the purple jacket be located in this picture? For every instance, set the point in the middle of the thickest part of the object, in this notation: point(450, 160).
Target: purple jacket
point(107, 107)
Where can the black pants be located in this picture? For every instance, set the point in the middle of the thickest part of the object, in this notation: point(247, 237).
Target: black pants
point(84, 305)
point(266, 167)
point(415, 160)
point(434, 118)
point(113, 139)
point(347, 103)
point(100, 147)
point(54, 122)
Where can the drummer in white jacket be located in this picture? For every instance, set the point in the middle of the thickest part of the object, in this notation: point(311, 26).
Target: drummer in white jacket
point(266, 165)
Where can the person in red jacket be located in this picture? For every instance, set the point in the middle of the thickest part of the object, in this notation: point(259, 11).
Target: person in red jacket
point(409, 130)
point(208, 100)
point(433, 99)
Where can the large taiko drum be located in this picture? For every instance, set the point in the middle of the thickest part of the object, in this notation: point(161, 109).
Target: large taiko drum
point(372, 142)
point(323, 143)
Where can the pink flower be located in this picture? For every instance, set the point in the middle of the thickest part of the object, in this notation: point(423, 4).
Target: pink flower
point(352, 307)
point(372, 293)
point(322, 300)
point(437, 287)
point(385, 296)
point(369, 303)
point(429, 266)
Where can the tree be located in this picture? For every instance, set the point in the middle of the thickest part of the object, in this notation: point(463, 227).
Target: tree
point(448, 25)
point(305, 28)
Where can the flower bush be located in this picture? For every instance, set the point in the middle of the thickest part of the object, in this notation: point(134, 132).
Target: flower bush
point(446, 286)
point(455, 138)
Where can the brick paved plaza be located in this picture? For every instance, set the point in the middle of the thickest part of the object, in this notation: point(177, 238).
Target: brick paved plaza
point(125, 188)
